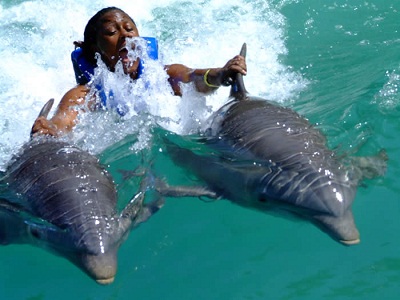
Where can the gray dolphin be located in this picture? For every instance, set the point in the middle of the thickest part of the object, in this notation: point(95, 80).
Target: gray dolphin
point(259, 154)
point(56, 196)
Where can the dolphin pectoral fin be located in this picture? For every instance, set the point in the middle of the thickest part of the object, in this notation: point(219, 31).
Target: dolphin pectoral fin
point(370, 167)
point(184, 191)
point(150, 209)
point(128, 174)
point(131, 210)
point(341, 228)
point(137, 211)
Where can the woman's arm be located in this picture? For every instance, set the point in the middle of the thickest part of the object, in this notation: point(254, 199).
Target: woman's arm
point(205, 80)
point(65, 117)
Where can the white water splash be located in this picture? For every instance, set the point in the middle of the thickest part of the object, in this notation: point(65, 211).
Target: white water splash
point(388, 98)
point(36, 63)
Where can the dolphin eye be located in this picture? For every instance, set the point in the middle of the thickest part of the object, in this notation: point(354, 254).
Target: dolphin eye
point(35, 233)
point(262, 198)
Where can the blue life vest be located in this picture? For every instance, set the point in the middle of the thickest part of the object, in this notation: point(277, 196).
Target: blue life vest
point(84, 70)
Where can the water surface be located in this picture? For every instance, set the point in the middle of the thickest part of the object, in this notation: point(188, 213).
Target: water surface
point(336, 63)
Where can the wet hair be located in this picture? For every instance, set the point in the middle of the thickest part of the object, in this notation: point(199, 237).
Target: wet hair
point(90, 33)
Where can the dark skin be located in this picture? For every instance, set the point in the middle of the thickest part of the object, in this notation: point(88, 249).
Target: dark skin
point(115, 27)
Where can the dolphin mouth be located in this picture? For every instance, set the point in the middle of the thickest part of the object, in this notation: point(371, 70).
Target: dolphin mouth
point(350, 242)
point(105, 281)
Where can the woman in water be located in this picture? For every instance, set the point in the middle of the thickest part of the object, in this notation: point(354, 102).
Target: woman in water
point(106, 34)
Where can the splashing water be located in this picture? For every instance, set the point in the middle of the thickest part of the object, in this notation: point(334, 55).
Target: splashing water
point(36, 65)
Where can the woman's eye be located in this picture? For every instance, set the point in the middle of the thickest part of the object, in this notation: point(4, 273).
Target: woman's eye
point(109, 31)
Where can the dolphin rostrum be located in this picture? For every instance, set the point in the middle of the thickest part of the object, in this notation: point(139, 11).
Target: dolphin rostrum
point(259, 154)
point(56, 196)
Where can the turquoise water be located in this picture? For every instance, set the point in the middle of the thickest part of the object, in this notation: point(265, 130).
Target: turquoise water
point(337, 64)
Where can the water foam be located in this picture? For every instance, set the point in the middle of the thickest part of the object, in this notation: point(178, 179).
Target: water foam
point(36, 63)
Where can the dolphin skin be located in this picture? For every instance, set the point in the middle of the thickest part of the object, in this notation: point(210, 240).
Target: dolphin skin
point(262, 155)
point(56, 196)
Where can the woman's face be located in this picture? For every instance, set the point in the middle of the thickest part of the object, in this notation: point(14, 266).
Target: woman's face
point(114, 27)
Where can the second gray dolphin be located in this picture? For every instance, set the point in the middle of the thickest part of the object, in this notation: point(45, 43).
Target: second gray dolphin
point(260, 154)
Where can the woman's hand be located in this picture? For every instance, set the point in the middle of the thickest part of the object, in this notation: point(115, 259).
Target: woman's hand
point(232, 67)
point(214, 78)
point(65, 117)
point(43, 126)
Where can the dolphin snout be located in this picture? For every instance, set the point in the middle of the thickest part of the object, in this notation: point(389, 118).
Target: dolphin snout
point(104, 273)
point(105, 281)
point(102, 268)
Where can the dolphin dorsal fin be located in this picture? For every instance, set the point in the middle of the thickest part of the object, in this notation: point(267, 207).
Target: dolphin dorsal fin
point(46, 108)
point(238, 90)
point(44, 112)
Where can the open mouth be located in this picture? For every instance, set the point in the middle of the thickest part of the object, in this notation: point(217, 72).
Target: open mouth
point(123, 54)
point(128, 56)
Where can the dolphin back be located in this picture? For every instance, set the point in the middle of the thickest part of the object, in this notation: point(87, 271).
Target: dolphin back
point(299, 168)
